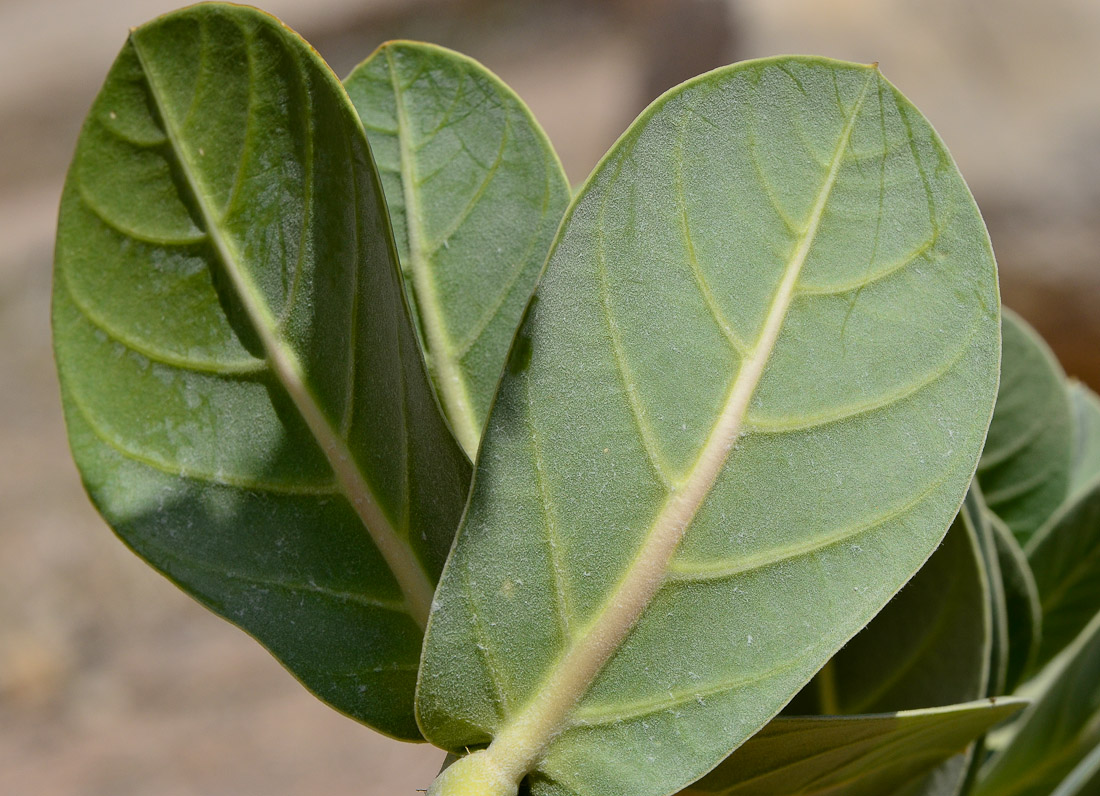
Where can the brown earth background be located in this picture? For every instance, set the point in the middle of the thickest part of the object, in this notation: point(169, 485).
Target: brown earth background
point(112, 682)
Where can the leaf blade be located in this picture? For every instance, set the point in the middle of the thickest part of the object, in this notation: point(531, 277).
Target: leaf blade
point(634, 451)
point(852, 755)
point(1057, 732)
point(1025, 475)
point(476, 192)
point(216, 426)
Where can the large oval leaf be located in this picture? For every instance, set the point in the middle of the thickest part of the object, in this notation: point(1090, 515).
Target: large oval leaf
point(1056, 733)
point(742, 412)
point(852, 755)
point(240, 375)
point(475, 192)
point(1025, 468)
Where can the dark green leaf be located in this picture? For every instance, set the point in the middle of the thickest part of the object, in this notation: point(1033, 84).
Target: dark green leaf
point(1065, 557)
point(1057, 732)
point(1025, 468)
point(1023, 613)
point(770, 321)
point(852, 755)
point(1084, 780)
point(978, 517)
point(475, 192)
point(239, 371)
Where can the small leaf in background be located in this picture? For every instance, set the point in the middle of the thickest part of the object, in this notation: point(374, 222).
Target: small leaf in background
point(1065, 557)
point(475, 192)
point(1086, 438)
point(1023, 613)
point(791, 239)
point(1025, 467)
point(852, 755)
point(1057, 732)
point(240, 374)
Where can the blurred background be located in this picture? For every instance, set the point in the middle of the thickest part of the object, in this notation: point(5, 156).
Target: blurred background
point(112, 681)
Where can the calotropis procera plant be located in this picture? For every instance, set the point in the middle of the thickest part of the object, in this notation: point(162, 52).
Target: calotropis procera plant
point(724, 405)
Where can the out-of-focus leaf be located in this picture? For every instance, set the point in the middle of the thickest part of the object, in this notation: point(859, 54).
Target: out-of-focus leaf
point(240, 375)
point(852, 755)
point(1057, 732)
point(1086, 438)
point(791, 239)
point(979, 516)
point(1025, 467)
point(1084, 780)
point(475, 193)
point(1023, 613)
point(1065, 557)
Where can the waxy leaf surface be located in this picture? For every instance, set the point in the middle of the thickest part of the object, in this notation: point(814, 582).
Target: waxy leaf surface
point(240, 375)
point(1025, 467)
point(740, 413)
point(852, 755)
point(1058, 732)
point(475, 193)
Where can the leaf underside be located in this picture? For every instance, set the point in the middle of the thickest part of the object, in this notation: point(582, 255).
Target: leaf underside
point(769, 325)
point(239, 371)
point(475, 193)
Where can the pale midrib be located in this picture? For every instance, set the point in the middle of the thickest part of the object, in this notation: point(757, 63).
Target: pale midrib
point(524, 739)
point(413, 581)
point(440, 355)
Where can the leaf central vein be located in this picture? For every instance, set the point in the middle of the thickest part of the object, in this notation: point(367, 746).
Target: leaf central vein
point(524, 739)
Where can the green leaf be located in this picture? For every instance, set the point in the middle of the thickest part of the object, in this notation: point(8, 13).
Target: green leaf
point(756, 382)
point(1084, 780)
point(475, 193)
point(239, 372)
point(1057, 732)
point(1023, 613)
point(1065, 557)
point(979, 516)
point(1086, 438)
point(929, 646)
point(1025, 468)
point(852, 755)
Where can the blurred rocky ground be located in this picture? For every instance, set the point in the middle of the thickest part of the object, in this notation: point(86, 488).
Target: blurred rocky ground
point(111, 681)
